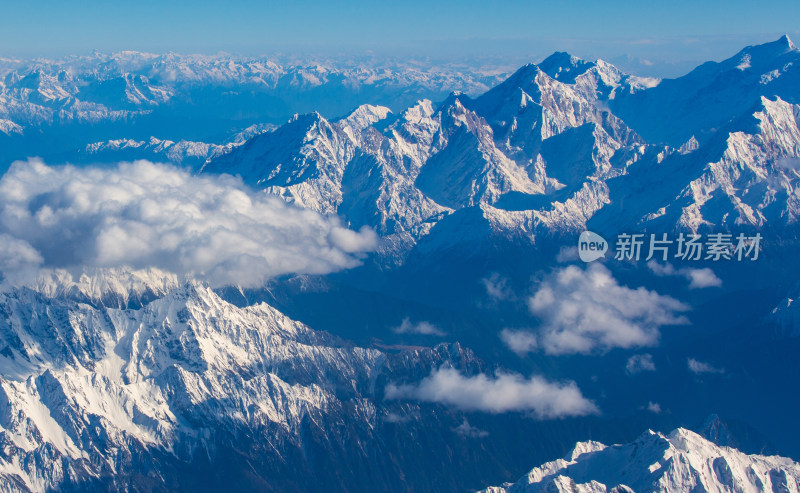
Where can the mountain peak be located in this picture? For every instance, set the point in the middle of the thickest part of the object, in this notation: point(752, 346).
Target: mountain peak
point(306, 118)
point(364, 116)
point(779, 46)
point(564, 67)
point(716, 431)
point(454, 99)
point(785, 40)
point(675, 463)
point(763, 54)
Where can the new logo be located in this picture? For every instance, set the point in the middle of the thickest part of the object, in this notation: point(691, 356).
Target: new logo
point(591, 246)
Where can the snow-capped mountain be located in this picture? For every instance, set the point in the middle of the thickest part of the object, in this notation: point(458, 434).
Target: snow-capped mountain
point(193, 154)
point(680, 461)
point(327, 166)
point(99, 398)
point(430, 161)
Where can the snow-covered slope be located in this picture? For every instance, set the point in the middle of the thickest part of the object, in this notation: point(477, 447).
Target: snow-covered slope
point(183, 152)
point(679, 462)
point(340, 167)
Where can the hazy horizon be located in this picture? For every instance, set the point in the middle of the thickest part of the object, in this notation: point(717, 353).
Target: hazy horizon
point(661, 40)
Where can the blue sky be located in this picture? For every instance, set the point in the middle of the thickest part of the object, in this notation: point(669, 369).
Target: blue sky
point(673, 31)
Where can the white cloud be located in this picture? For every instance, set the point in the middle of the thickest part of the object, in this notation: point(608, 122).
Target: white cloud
point(519, 341)
point(654, 407)
point(502, 393)
point(422, 327)
point(703, 278)
point(16, 254)
point(583, 311)
point(699, 368)
point(698, 278)
point(467, 430)
point(150, 215)
point(639, 363)
point(351, 241)
point(662, 270)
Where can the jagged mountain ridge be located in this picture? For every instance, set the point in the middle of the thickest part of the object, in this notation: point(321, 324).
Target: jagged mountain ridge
point(541, 153)
point(186, 153)
point(447, 154)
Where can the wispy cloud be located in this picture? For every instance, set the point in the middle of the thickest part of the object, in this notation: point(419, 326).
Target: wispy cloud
point(143, 215)
point(698, 278)
point(654, 407)
point(567, 254)
point(519, 341)
point(699, 367)
point(504, 392)
point(421, 327)
point(639, 363)
point(467, 430)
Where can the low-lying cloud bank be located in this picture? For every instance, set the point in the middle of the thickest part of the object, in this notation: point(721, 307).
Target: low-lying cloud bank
point(505, 392)
point(142, 215)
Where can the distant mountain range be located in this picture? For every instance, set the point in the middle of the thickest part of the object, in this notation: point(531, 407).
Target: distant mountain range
point(53, 108)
